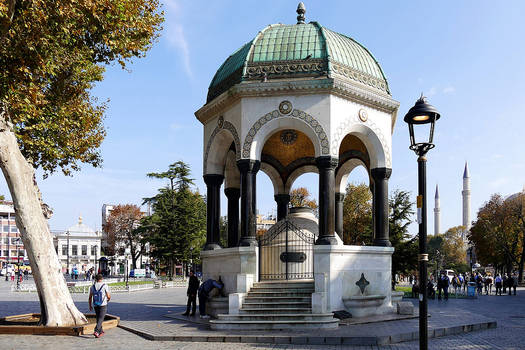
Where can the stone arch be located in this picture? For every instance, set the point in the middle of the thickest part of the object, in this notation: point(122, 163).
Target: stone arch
point(294, 175)
point(218, 144)
point(275, 177)
point(344, 170)
point(370, 134)
point(274, 121)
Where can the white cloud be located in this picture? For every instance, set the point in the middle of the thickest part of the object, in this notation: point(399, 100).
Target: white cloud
point(175, 33)
point(449, 90)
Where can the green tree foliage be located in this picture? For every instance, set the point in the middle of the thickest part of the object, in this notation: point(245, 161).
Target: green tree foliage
point(404, 258)
point(448, 250)
point(301, 197)
point(498, 233)
point(176, 229)
point(357, 215)
point(51, 55)
point(52, 52)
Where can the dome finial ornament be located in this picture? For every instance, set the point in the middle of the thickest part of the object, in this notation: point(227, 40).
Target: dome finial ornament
point(301, 10)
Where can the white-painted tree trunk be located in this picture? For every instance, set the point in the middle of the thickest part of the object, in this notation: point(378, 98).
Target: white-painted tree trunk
point(56, 305)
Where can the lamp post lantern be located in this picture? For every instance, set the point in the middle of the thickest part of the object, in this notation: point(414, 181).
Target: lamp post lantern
point(421, 118)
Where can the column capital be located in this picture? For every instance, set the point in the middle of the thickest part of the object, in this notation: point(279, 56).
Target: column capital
point(327, 162)
point(248, 165)
point(282, 197)
point(232, 192)
point(213, 179)
point(380, 173)
point(339, 196)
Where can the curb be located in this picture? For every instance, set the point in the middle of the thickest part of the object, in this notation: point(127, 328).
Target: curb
point(373, 340)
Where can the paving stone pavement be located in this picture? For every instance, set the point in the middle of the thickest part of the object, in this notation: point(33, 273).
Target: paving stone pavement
point(148, 308)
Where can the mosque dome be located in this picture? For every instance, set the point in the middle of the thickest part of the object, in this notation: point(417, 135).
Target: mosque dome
point(81, 229)
point(302, 50)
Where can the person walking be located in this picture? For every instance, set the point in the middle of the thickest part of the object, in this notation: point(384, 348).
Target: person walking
point(193, 286)
point(505, 283)
point(498, 282)
point(514, 282)
point(456, 283)
point(488, 284)
point(99, 296)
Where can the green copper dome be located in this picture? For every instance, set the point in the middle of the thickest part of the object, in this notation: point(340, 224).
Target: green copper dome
point(301, 50)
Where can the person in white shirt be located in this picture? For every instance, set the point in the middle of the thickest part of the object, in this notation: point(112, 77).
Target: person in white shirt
point(99, 296)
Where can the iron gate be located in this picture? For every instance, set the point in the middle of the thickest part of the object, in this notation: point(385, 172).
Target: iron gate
point(286, 253)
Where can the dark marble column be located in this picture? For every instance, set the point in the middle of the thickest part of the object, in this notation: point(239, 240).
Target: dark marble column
point(248, 169)
point(381, 230)
point(339, 201)
point(282, 205)
point(233, 194)
point(326, 166)
point(213, 202)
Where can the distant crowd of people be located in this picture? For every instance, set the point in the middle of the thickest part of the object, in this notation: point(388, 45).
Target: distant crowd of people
point(459, 283)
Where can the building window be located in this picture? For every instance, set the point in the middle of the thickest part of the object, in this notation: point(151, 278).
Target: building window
point(64, 249)
point(5, 253)
point(93, 250)
point(74, 250)
point(5, 228)
point(14, 229)
point(5, 240)
point(84, 250)
point(14, 253)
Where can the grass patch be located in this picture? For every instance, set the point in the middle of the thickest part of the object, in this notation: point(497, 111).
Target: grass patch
point(408, 293)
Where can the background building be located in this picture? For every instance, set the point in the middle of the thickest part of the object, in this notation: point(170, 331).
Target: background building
point(11, 246)
point(78, 246)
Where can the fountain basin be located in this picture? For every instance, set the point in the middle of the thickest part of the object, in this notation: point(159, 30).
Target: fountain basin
point(364, 305)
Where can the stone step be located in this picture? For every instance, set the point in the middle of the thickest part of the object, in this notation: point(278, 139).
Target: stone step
point(276, 317)
point(282, 290)
point(288, 304)
point(274, 325)
point(263, 310)
point(264, 300)
point(285, 285)
point(280, 294)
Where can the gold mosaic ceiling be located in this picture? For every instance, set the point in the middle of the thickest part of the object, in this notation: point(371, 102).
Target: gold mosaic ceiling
point(288, 145)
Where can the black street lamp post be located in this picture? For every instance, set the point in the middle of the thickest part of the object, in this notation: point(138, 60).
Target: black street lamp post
point(422, 114)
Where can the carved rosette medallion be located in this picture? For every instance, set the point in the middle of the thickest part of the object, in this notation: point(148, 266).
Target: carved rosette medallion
point(363, 115)
point(285, 107)
point(288, 137)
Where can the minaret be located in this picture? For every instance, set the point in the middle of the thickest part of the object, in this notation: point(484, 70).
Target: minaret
point(437, 214)
point(466, 198)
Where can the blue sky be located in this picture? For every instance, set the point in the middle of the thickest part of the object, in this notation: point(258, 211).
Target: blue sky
point(466, 56)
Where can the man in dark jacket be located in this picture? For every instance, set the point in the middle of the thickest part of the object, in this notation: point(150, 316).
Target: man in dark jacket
point(193, 286)
point(204, 292)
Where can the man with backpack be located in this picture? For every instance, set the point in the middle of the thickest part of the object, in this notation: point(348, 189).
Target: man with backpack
point(99, 296)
